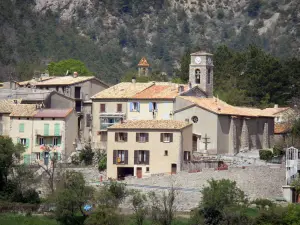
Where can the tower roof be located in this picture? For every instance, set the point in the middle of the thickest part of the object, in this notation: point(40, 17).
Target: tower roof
point(201, 53)
point(143, 62)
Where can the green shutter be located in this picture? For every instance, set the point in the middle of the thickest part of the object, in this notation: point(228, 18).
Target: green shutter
point(46, 129)
point(18, 140)
point(58, 141)
point(26, 159)
point(57, 129)
point(27, 143)
point(21, 127)
point(58, 156)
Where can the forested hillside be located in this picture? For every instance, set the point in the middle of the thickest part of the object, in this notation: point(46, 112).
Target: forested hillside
point(110, 36)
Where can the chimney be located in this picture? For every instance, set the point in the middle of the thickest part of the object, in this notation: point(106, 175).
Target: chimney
point(276, 106)
point(133, 80)
point(75, 74)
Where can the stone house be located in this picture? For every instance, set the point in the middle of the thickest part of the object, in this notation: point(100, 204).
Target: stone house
point(144, 147)
point(43, 131)
point(219, 128)
point(6, 107)
point(78, 88)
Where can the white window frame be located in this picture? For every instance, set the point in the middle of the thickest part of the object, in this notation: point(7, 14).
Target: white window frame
point(55, 141)
point(23, 141)
point(41, 141)
point(166, 137)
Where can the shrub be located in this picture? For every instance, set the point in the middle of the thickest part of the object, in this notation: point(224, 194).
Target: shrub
point(75, 159)
point(102, 163)
point(87, 155)
point(278, 150)
point(261, 203)
point(265, 154)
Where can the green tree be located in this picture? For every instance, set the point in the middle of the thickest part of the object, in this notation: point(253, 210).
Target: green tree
point(70, 197)
point(217, 198)
point(86, 155)
point(139, 205)
point(9, 153)
point(68, 67)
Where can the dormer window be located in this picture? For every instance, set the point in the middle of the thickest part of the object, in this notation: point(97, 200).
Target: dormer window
point(197, 76)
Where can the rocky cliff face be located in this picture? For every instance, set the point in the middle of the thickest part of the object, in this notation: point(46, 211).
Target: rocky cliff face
point(110, 36)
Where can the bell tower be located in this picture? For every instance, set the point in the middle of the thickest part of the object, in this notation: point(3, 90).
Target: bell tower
point(143, 67)
point(201, 72)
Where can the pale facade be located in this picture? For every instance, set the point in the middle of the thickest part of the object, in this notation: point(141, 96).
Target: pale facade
point(44, 131)
point(149, 149)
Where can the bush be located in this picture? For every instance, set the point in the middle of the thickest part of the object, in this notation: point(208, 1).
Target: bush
point(278, 150)
point(102, 163)
point(261, 203)
point(104, 216)
point(87, 155)
point(265, 154)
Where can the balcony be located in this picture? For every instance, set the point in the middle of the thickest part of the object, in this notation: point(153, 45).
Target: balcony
point(50, 147)
point(48, 133)
point(104, 126)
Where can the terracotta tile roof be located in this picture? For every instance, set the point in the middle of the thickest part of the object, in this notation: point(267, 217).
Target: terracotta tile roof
point(59, 80)
point(122, 90)
point(53, 113)
point(7, 105)
point(143, 62)
point(22, 83)
point(274, 111)
point(151, 124)
point(160, 91)
point(24, 110)
point(222, 108)
point(282, 128)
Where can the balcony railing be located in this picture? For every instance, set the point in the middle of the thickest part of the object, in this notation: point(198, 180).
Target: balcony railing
point(50, 132)
point(41, 148)
point(104, 126)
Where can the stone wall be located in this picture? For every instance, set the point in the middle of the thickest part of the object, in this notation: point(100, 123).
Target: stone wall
point(256, 182)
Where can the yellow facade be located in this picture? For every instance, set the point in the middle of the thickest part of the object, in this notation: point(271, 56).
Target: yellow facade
point(161, 155)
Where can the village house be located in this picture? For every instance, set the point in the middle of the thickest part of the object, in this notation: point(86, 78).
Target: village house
point(144, 147)
point(78, 88)
point(43, 131)
point(6, 107)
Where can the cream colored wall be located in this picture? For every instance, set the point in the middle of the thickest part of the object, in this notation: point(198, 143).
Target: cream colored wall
point(70, 133)
point(207, 124)
point(163, 110)
point(111, 107)
point(5, 124)
point(28, 132)
point(158, 163)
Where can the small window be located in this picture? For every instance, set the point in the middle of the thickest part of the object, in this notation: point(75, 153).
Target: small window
point(23, 141)
point(152, 106)
point(103, 136)
point(53, 118)
point(197, 76)
point(21, 127)
point(147, 169)
point(121, 137)
point(142, 137)
point(55, 141)
point(119, 108)
point(38, 155)
point(102, 108)
point(166, 137)
point(134, 106)
point(88, 120)
point(27, 118)
point(42, 118)
point(19, 118)
point(166, 152)
point(186, 156)
point(41, 141)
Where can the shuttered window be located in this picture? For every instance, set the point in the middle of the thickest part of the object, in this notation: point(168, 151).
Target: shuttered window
point(142, 137)
point(102, 108)
point(134, 106)
point(119, 108)
point(121, 137)
point(120, 157)
point(141, 157)
point(166, 137)
point(21, 127)
point(46, 129)
point(57, 129)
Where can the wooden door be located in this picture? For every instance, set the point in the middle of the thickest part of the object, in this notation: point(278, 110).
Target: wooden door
point(139, 173)
point(174, 169)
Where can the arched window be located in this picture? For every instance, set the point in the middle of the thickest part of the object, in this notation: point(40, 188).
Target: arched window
point(208, 75)
point(197, 76)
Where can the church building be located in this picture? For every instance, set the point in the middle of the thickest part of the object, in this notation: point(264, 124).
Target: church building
point(219, 128)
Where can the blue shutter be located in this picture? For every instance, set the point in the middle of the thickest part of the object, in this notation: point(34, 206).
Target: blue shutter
point(27, 142)
point(150, 106)
point(131, 106)
point(138, 106)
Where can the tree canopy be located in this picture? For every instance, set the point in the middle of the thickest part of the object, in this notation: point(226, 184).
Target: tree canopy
point(68, 66)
